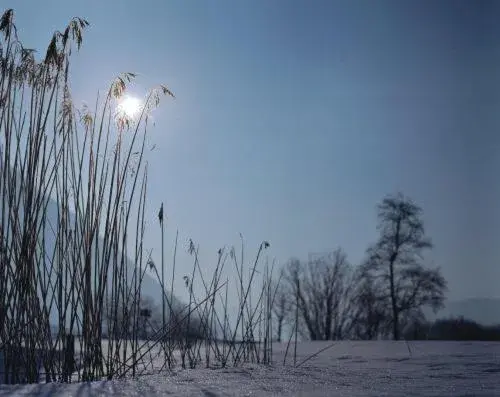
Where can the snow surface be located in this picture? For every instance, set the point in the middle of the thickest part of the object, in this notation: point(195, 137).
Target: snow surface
point(346, 369)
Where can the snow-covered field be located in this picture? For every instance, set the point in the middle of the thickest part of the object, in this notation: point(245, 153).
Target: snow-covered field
point(346, 369)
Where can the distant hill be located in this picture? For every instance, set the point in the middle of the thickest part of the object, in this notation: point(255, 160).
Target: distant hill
point(485, 311)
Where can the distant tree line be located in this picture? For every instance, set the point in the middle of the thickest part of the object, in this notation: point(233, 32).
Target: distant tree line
point(453, 329)
point(327, 298)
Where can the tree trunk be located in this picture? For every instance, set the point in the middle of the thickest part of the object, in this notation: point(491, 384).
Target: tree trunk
point(280, 328)
point(395, 314)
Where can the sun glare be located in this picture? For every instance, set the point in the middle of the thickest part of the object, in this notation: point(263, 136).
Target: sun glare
point(130, 107)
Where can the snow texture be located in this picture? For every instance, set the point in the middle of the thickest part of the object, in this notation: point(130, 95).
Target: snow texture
point(382, 368)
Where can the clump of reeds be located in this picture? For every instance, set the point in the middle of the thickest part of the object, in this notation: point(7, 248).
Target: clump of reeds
point(88, 170)
point(248, 338)
point(92, 167)
point(203, 332)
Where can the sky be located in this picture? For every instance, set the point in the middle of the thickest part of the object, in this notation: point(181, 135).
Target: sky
point(293, 119)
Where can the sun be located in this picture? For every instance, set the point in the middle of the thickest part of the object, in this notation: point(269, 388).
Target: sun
point(130, 106)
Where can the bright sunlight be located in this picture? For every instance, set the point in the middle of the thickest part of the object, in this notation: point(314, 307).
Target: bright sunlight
point(130, 106)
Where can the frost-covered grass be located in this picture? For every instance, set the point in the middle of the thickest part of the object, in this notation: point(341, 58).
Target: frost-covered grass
point(77, 274)
point(346, 369)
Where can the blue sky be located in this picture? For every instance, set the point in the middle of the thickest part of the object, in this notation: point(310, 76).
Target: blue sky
point(294, 119)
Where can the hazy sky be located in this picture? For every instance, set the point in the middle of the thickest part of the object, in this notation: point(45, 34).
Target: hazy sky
point(294, 119)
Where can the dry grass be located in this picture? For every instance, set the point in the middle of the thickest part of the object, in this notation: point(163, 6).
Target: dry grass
point(92, 165)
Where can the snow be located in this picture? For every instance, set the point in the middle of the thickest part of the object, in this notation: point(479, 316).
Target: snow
point(354, 368)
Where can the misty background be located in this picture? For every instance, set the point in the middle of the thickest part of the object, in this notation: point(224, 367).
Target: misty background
point(293, 120)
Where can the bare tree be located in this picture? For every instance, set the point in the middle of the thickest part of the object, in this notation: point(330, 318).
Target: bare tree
point(322, 289)
point(394, 261)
